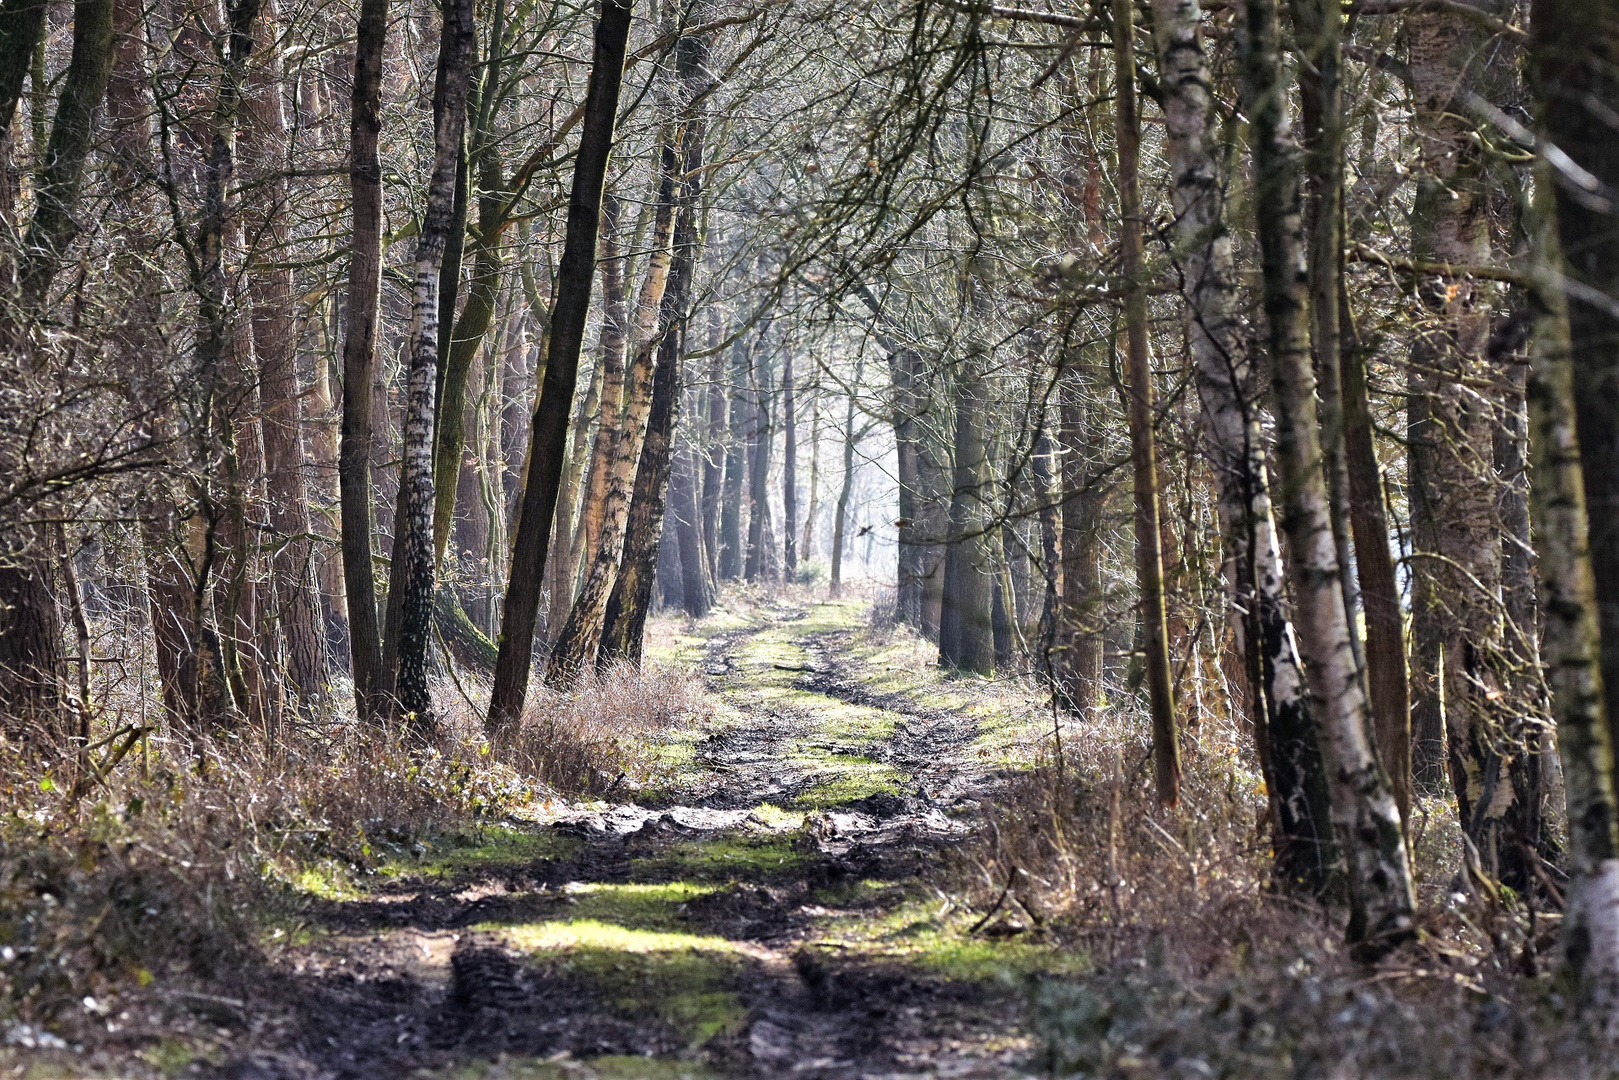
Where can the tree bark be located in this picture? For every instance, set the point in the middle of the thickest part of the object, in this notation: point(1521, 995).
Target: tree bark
point(622, 431)
point(549, 429)
point(22, 28)
point(411, 581)
point(841, 512)
point(270, 286)
point(759, 561)
point(789, 470)
point(736, 466)
point(615, 335)
point(1234, 440)
point(1143, 453)
point(966, 636)
point(806, 543)
point(713, 457)
point(1452, 224)
point(360, 360)
point(461, 345)
point(1575, 49)
point(1364, 813)
point(55, 222)
point(1572, 647)
point(1386, 677)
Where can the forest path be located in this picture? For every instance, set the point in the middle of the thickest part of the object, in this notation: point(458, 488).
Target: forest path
point(771, 911)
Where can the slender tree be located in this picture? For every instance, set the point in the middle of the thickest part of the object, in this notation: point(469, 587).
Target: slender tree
point(1234, 439)
point(1366, 818)
point(1143, 453)
point(549, 429)
point(360, 359)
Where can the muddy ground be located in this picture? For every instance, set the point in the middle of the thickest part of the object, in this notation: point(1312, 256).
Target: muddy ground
point(772, 908)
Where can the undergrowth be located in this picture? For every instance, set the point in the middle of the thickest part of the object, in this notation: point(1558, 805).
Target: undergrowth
point(1202, 967)
point(157, 873)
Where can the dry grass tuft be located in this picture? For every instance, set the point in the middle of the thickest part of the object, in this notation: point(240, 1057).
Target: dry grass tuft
point(605, 734)
point(1202, 968)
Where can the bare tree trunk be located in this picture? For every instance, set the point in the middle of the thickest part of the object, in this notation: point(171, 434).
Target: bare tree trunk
point(1427, 615)
point(1386, 677)
point(461, 345)
point(806, 544)
point(615, 335)
point(694, 573)
point(560, 567)
point(736, 467)
point(270, 285)
point(1573, 53)
point(624, 620)
point(1366, 818)
point(841, 514)
point(1234, 439)
point(411, 581)
point(30, 643)
point(714, 448)
point(56, 200)
point(22, 28)
point(789, 470)
point(576, 643)
point(1149, 555)
point(360, 360)
point(1078, 635)
point(758, 566)
point(1572, 646)
point(1452, 224)
point(966, 637)
point(549, 430)
point(902, 365)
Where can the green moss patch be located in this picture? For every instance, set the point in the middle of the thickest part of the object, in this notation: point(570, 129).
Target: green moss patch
point(491, 848)
point(721, 859)
point(687, 981)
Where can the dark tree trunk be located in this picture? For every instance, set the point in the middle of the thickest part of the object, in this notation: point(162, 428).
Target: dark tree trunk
point(22, 28)
point(615, 335)
point(549, 430)
point(713, 459)
point(966, 638)
point(840, 514)
point(30, 645)
point(1078, 635)
point(759, 565)
point(1144, 457)
point(694, 574)
point(624, 621)
point(736, 466)
point(624, 624)
point(789, 470)
point(360, 360)
point(1386, 678)
point(1572, 646)
point(56, 201)
point(270, 283)
point(1576, 48)
point(460, 347)
point(576, 643)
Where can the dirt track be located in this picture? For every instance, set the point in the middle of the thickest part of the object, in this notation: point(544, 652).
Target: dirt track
point(766, 915)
